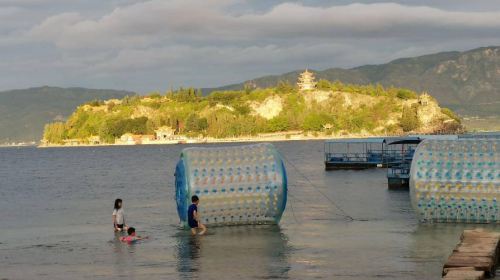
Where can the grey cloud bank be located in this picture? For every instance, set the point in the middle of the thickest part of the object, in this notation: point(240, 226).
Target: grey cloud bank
point(154, 45)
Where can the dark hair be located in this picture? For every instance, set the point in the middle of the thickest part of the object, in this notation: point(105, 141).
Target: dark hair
point(130, 230)
point(194, 198)
point(117, 202)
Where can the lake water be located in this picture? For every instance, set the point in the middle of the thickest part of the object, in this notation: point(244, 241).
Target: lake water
point(56, 205)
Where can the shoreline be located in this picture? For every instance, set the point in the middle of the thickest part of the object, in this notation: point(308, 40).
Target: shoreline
point(19, 146)
point(221, 140)
point(264, 138)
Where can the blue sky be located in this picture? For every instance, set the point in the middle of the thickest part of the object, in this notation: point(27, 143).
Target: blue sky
point(158, 44)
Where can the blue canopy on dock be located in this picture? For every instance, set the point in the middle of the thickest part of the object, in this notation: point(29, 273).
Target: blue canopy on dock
point(405, 140)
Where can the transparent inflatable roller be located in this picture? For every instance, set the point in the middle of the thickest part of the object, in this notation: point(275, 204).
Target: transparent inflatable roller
point(456, 181)
point(236, 185)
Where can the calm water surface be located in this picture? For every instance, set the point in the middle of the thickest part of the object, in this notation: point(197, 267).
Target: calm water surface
point(56, 205)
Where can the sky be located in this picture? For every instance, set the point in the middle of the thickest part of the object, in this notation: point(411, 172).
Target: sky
point(154, 45)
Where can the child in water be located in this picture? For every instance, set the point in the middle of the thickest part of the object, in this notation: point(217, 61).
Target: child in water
point(193, 218)
point(119, 216)
point(131, 236)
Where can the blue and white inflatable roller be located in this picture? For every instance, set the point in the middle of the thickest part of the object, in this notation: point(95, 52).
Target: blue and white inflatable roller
point(236, 185)
point(456, 181)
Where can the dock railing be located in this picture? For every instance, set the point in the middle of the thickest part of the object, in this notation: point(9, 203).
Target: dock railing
point(354, 153)
point(368, 152)
point(401, 170)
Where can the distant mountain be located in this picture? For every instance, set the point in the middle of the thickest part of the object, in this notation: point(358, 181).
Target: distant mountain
point(467, 82)
point(24, 112)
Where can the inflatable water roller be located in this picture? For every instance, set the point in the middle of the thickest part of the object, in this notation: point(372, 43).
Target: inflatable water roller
point(236, 185)
point(456, 181)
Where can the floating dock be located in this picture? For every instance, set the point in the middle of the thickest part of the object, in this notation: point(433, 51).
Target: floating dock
point(364, 153)
point(354, 154)
point(475, 257)
point(398, 176)
point(398, 171)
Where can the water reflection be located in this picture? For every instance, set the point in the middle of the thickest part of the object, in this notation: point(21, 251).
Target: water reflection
point(124, 257)
point(249, 251)
point(189, 248)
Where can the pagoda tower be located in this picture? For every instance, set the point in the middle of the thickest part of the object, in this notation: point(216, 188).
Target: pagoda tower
point(306, 81)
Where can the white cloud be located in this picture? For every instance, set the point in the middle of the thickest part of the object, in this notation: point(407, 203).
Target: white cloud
point(145, 44)
point(151, 22)
point(26, 2)
point(53, 27)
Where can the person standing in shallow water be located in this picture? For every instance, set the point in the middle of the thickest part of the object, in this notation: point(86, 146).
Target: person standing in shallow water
point(193, 217)
point(119, 216)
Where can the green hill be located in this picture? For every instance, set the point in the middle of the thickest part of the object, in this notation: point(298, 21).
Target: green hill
point(331, 109)
point(24, 112)
point(468, 82)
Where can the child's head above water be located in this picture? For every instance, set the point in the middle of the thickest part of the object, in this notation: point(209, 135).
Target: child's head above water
point(131, 231)
point(118, 203)
point(195, 199)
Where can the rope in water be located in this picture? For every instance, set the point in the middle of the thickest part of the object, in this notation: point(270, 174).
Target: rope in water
point(293, 213)
point(342, 211)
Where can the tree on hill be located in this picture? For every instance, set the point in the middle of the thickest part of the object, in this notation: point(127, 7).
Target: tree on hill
point(323, 84)
point(406, 94)
point(316, 121)
point(195, 123)
point(284, 87)
point(451, 114)
point(279, 123)
point(409, 118)
point(54, 132)
point(115, 128)
point(185, 94)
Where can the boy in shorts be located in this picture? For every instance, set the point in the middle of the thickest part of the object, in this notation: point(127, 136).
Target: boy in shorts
point(193, 218)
